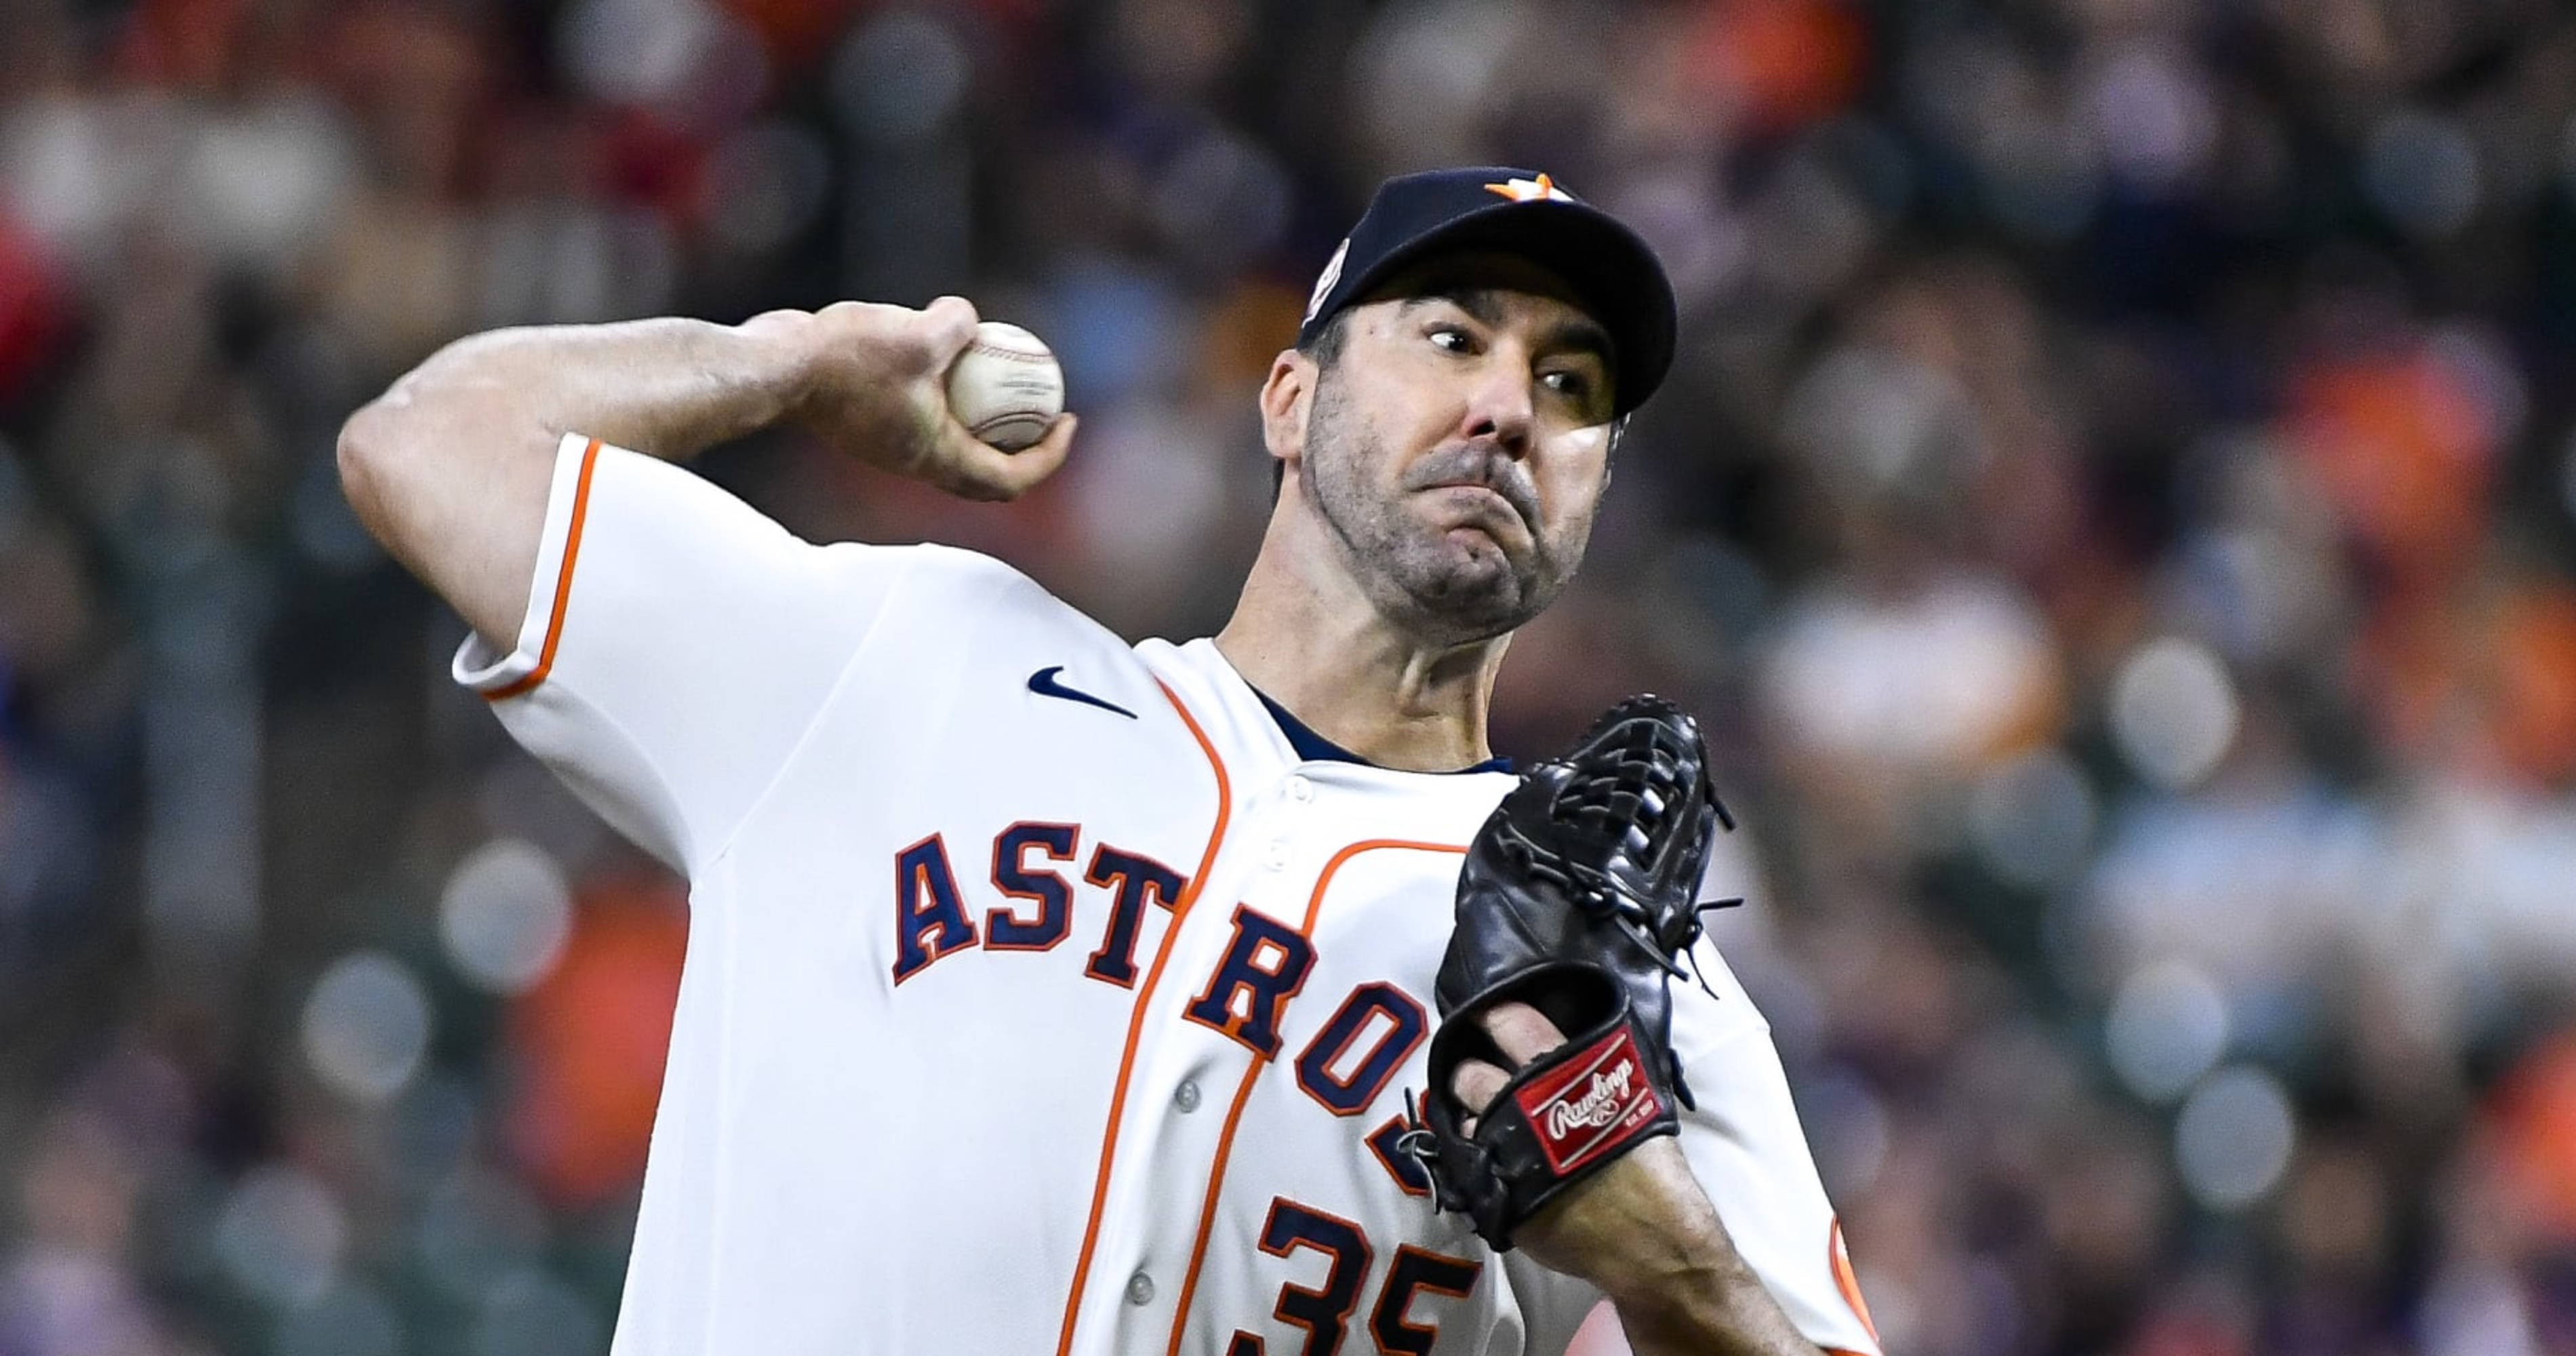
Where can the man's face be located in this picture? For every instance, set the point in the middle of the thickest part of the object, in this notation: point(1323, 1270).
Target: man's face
point(1458, 443)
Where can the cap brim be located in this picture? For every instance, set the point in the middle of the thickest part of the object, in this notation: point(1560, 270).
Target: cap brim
point(1613, 272)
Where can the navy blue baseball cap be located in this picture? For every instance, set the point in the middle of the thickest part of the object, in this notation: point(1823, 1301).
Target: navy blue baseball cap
point(1515, 211)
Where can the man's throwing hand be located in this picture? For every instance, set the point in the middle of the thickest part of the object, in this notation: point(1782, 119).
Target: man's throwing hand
point(875, 387)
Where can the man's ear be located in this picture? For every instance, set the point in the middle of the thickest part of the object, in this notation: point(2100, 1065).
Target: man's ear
point(1287, 394)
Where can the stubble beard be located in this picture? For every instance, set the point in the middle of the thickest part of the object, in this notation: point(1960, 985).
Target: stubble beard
point(1416, 575)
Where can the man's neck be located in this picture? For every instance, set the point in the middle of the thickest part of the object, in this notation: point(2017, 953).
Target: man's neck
point(1339, 667)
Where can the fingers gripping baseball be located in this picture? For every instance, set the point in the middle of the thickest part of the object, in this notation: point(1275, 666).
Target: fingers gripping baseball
point(949, 325)
point(962, 463)
point(878, 392)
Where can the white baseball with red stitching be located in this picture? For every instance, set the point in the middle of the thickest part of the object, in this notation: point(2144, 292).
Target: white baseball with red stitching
point(1006, 388)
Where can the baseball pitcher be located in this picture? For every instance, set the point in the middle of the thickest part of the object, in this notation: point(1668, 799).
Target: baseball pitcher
point(1048, 993)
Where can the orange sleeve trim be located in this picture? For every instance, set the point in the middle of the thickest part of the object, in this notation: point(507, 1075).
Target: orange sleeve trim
point(1136, 1019)
point(528, 681)
point(1839, 1257)
point(1243, 1090)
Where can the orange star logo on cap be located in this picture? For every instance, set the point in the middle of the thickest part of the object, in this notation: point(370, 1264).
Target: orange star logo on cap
point(1530, 190)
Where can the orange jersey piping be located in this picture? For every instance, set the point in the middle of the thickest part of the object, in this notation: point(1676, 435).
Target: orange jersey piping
point(563, 585)
point(1136, 1019)
point(1243, 1090)
point(1838, 1257)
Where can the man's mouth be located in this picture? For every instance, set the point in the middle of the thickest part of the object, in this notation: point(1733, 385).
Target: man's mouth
point(1489, 509)
point(1485, 483)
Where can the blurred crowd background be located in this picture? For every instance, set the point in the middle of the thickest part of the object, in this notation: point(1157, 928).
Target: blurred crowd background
point(2115, 509)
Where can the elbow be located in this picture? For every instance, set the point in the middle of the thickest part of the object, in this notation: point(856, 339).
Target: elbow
point(362, 451)
point(359, 437)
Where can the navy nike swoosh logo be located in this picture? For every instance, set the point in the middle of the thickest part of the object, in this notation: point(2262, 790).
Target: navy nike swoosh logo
point(1044, 684)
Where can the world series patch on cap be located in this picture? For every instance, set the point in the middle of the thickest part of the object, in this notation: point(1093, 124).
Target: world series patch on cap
point(1515, 211)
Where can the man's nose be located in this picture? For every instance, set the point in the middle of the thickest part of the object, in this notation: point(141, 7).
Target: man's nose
point(1498, 403)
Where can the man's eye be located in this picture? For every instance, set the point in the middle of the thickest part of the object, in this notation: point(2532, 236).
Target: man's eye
point(1575, 384)
point(1452, 338)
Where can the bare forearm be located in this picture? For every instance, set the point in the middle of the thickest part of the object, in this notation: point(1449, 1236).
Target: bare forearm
point(1647, 1235)
point(1708, 1309)
point(450, 468)
point(667, 387)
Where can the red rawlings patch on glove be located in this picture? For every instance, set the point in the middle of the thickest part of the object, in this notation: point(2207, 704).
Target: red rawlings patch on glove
point(1590, 1105)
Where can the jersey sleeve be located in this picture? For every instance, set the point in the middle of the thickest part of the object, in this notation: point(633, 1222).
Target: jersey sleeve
point(1750, 1154)
point(678, 644)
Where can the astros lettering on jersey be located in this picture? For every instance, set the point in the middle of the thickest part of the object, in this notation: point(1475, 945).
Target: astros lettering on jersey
point(1040, 994)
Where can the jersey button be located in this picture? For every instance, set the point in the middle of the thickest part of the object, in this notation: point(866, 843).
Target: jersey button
point(1275, 856)
point(1140, 1289)
point(1186, 1097)
point(1300, 789)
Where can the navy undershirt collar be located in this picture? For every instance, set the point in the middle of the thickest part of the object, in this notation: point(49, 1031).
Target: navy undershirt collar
point(1314, 748)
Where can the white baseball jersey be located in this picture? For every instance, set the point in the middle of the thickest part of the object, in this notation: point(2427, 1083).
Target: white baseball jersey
point(1040, 996)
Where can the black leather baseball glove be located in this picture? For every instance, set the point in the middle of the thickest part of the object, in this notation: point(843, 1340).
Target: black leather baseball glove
point(1578, 897)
